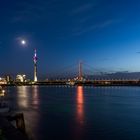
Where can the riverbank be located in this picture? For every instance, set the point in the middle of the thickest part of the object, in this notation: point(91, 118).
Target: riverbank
point(9, 132)
point(84, 83)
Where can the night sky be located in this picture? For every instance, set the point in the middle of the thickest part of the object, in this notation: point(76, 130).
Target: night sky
point(105, 34)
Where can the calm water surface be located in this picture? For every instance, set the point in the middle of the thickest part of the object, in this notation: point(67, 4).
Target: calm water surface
point(78, 113)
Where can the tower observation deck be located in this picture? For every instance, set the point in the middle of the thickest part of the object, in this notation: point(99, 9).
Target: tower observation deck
point(35, 65)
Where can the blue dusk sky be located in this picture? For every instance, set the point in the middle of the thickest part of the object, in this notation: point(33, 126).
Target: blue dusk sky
point(104, 34)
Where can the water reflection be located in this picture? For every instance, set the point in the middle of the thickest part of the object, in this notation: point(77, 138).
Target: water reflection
point(22, 96)
point(28, 103)
point(35, 97)
point(80, 105)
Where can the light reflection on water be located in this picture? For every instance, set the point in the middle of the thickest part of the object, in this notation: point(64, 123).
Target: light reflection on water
point(22, 96)
point(78, 133)
point(80, 104)
point(28, 102)
point(35, 96)
point(79, 113)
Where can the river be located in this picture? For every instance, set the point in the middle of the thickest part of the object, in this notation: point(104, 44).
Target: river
point(78, 113)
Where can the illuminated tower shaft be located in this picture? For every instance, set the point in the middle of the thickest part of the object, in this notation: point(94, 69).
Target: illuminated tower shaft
point(35, 66)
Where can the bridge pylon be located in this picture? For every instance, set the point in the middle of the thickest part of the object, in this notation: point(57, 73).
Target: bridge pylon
point(80, 75)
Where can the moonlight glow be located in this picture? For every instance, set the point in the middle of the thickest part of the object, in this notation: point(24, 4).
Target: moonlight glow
point(23, 42)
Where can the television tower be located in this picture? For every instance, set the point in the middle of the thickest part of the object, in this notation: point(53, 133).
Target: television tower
point(35, 66)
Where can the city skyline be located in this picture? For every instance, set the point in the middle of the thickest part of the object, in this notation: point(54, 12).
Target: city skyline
point(104, 34)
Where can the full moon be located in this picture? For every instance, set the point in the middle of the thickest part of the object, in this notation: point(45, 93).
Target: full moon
point(23, 42)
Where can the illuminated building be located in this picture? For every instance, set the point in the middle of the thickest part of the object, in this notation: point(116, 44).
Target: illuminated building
point(3, 81)
point(35, 66)
point(8, 78)
point(20, 78)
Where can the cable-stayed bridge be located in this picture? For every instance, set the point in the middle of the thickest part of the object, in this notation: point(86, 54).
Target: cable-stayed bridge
point(85, 74)
point(80, 71)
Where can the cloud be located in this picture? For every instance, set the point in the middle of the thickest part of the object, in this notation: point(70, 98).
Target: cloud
point(31, 11)
point(85, 19)
point(95, 26)
point(82, 8)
